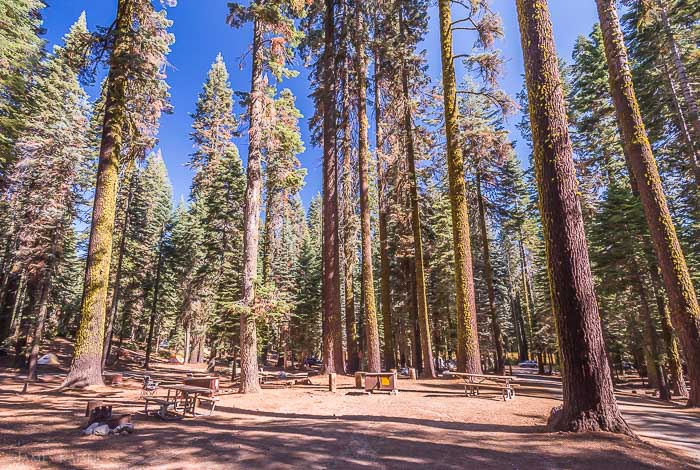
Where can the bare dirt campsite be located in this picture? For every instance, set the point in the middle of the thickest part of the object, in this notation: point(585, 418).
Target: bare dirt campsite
point(429, 423)
point(396, 234)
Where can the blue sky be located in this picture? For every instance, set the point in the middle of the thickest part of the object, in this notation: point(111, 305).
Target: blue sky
point(201, 32)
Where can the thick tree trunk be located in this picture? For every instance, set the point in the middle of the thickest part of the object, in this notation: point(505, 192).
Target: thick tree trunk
point(488, 270)
point(40, 302)
point(589, 400)
point(86, 367)
point(251, 217)
point(679, 287)
point(118, 277)
point(373, 354)
point(154, 307)
point(333, 361)
point(384, 263)
point(468, 356)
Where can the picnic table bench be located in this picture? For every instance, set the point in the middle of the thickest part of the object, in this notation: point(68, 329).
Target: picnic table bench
point(183, 400)
point(474, 382)
point(165, 405)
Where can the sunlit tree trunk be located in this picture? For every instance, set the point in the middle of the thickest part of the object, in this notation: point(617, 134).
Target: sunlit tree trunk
point(373, 355)
point(251, 218)
point(589, 401)
point(384, 264)
point(488, 271)
point(685, 312)
point(113, 308)
point(86, 367)
point(349, 224)
point(468, 357)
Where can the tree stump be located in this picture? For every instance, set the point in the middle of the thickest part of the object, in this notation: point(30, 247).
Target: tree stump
point(332, 385)
point(412, 374)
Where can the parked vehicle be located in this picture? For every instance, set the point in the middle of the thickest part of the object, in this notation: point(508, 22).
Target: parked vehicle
point(529, 364)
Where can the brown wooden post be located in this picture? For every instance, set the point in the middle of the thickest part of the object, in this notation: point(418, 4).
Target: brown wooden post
point(412, 374)
point(332, 382)
point(358, 379)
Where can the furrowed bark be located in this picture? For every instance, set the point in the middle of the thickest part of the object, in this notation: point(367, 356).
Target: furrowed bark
point(589, 401)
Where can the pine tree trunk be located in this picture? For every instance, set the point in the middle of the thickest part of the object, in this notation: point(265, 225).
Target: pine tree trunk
point(654, 365)
point(333, 361)
point(673, 357)
point(681, 72)
point(694, 153)
point(468, 356)
point(384, 264)
point(349, 226)
point(154, 307)
point(685, 312)
point(428, 370)
point(40, 307)
point(118, 277)
point(373, 354)
point(251, 218)
point(589, 400)
point(488, 270)
point(86, 367)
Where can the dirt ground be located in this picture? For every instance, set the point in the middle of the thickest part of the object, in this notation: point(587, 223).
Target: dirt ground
point(430, 424)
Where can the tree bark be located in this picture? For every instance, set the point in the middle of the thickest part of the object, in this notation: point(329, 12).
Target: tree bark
point(681, 72)
point(685, 312)
point(384, 263)
point(349, 226)
point(488, 271)
point(373, 355)
point(251, 218)
point(332, 322)
point(673, 357)
point(468, 356)
point(428, 370)
point(154, 307)
point(118, 277)
point(589, 401)
point(86, 366)
point(651, 339)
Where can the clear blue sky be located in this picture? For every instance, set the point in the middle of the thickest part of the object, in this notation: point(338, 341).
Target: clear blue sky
point(201, 33)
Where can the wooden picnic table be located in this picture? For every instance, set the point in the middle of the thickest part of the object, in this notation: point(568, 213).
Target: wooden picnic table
point(185, 397)
point(472, 383)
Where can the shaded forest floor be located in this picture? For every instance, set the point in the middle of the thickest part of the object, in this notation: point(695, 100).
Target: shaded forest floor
point(430, 423)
